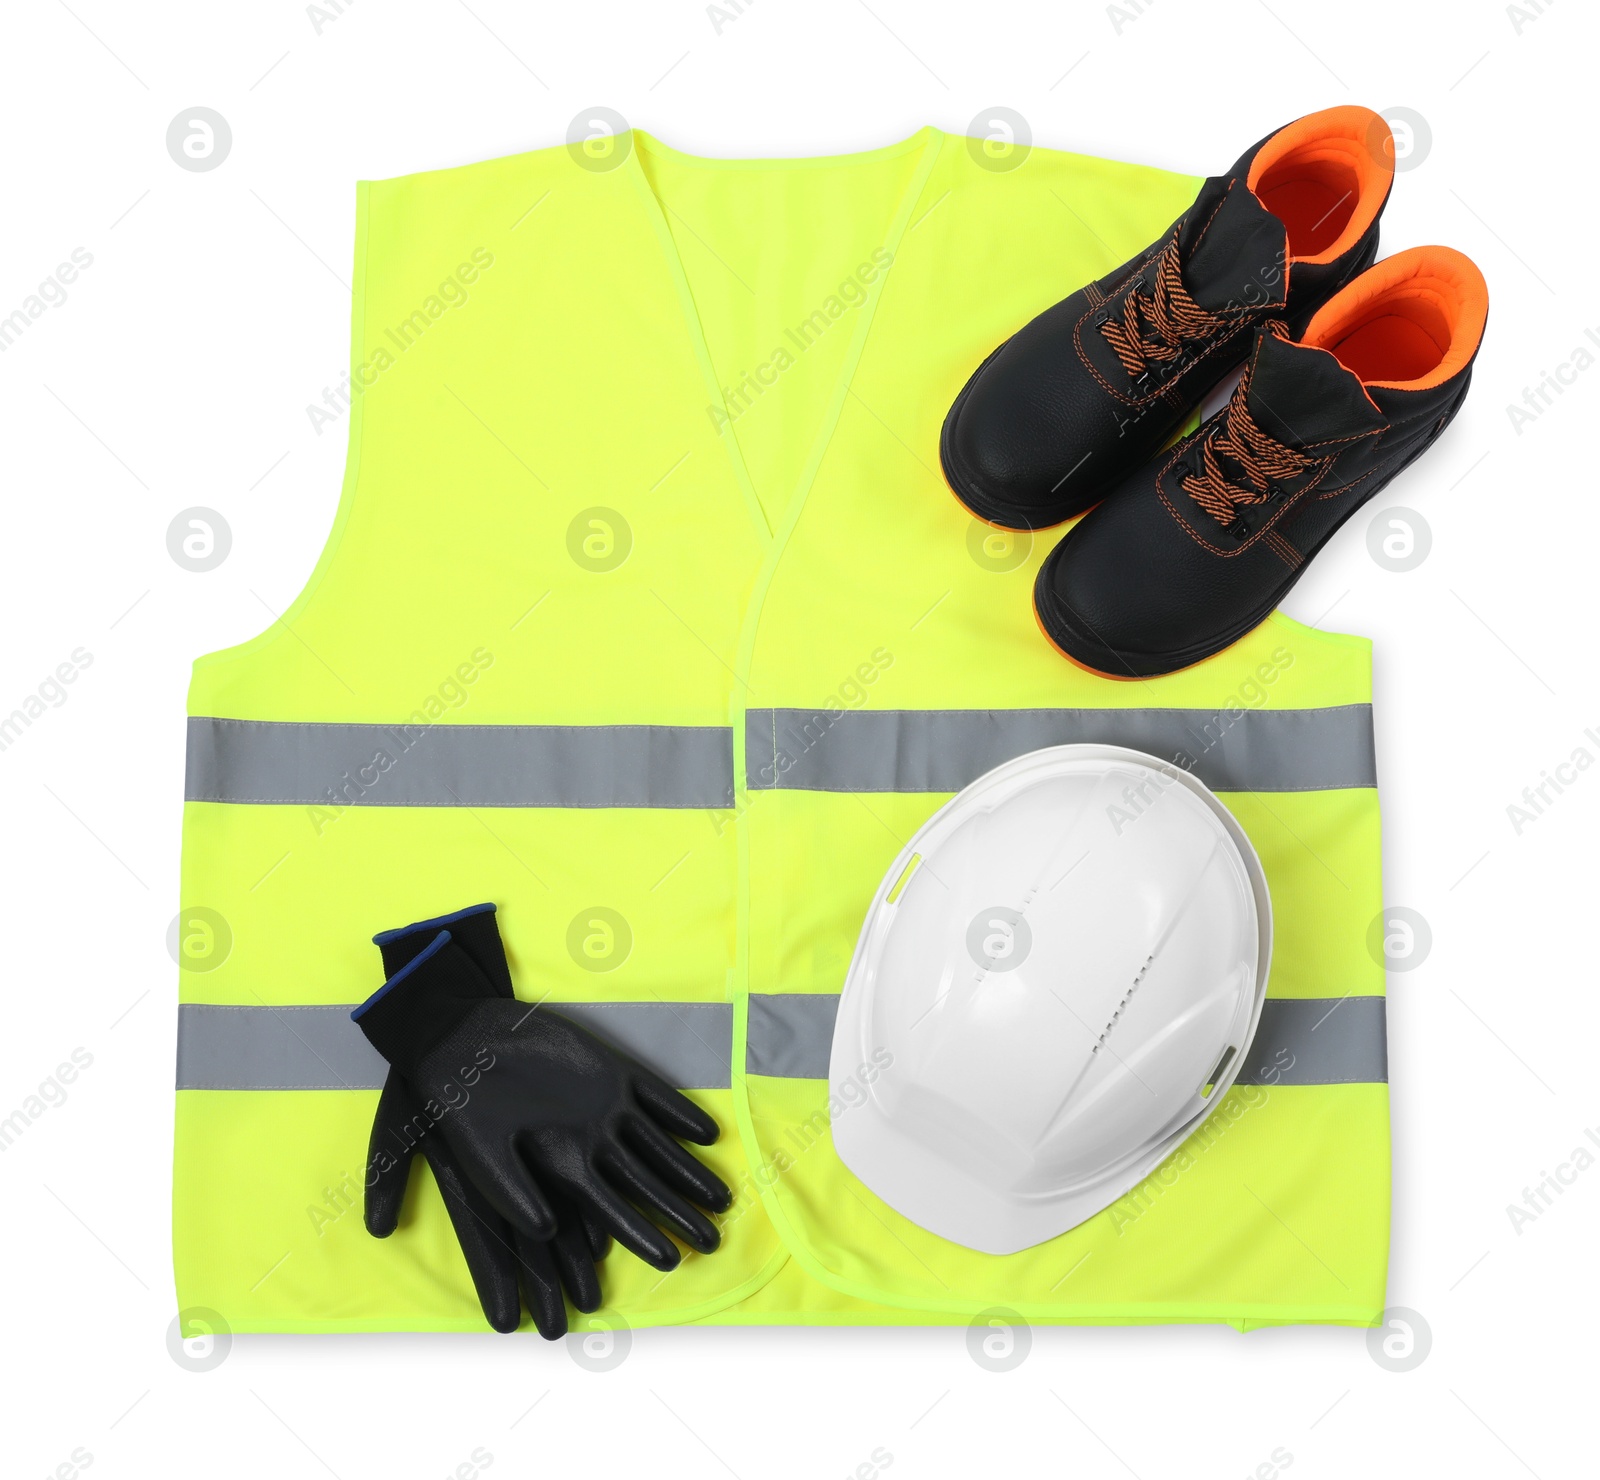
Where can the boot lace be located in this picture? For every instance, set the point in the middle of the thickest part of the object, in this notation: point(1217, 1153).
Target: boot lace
point(1258, 460)
point(1155, 323)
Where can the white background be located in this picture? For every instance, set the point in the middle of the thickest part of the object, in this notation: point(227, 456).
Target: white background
point(177, 373)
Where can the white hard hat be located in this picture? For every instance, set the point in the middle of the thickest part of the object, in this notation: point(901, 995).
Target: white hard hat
point(1058, 980)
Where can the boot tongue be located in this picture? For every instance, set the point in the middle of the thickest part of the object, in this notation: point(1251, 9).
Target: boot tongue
point(1300, 396)
point(1233, 248)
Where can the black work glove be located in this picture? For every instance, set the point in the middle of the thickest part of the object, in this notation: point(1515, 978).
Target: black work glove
point(498, 1258)
point(534, 1105)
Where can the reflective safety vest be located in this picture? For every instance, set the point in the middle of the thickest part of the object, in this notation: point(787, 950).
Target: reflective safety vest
point(646, 614)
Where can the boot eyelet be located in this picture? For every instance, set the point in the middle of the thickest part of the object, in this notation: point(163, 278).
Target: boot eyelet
point(1239, 529)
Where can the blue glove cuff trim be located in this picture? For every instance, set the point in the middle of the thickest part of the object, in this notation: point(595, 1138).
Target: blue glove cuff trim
point(432, 949)
point(441, 922)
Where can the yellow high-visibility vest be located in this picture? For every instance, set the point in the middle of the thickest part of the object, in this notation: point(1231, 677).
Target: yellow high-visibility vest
point(646, 615)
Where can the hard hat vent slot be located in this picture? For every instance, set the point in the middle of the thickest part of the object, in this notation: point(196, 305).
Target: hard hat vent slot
point(1127, 997)
point(1216, 1074)
point(899, 887)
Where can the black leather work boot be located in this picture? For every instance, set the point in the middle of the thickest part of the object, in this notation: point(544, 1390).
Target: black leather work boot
point(1195, 549)
point(1092, 387)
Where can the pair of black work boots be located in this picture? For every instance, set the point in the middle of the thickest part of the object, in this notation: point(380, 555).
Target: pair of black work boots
point(1350, 372)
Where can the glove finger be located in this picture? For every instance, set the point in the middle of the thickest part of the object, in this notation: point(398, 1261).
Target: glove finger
point(390, 1149)
point(506, 1186)
point(575, 1262)
point(631, 1228)
point(599, 1241)
point(679, 1169)
point(673, 1111)
point(486, 1239)
point(639, 1183)
point(541, 1286)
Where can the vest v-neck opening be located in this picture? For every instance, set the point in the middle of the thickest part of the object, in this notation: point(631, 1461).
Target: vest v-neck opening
point(778, 300)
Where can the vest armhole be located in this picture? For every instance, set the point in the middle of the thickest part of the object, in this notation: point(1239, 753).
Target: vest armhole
point(347, 491)
point(1350, 645)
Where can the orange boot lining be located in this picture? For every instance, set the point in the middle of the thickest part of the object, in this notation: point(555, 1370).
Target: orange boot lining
point(1410, 323)
point(1325, 176)
point(1403, 341)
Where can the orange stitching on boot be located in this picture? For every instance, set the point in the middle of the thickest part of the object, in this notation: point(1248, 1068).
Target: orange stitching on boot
point(1283, 549)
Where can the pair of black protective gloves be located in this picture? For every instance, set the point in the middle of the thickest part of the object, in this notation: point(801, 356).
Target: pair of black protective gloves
point(544, 1140)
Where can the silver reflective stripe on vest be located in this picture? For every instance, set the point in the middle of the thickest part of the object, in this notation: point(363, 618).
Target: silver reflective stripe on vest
point(1298, 1041)
point(444, 765)
point(942, 750)
point(689, 1044)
